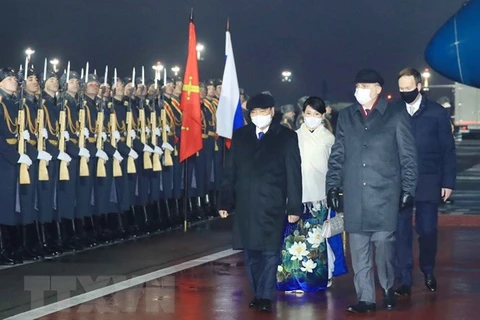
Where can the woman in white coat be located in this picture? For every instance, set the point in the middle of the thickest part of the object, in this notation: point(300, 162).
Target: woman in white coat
point(304, 266)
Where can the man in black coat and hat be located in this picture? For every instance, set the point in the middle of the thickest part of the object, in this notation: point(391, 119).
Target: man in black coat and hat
point(262, 184)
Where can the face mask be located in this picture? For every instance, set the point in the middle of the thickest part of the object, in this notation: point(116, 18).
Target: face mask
point(409, 96)
point(362, 96)
point(313, 122)
point(262, 121)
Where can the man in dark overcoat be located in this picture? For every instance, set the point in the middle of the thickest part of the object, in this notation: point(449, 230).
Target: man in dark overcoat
point(374, 163)
point(262, 184)
point(434, 141)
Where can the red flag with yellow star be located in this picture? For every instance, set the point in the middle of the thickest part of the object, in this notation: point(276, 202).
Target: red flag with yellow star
point(191, 134)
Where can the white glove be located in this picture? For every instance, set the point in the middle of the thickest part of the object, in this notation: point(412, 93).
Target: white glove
point(158, 132)
point(133, 134)
point(26, 135)
point(101, 154)
point(25, 160)
point(66, 135)
point(147, 148)
point(44, 133)
point(86, 133)
point(84, 153)
point(147, 130)
point(62, 156)
point(116, 136)
point(118, 156)
point(167, 128)
point(158, 150)
point(104, 136)
point(43, 155)
point(133, 154)
point(167, 146)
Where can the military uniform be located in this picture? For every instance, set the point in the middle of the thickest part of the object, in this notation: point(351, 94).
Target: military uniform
point(15, 198)
point(219, 147)
point(288, 121)
point(174, 121)
point(143, 175)
point(124, 200)
point(46, 188)
point(65, 200)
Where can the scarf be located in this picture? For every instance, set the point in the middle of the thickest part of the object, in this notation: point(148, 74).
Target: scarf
point(314, 151)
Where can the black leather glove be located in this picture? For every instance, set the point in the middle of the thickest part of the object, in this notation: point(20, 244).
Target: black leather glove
point(406, 200)
point(333, 199)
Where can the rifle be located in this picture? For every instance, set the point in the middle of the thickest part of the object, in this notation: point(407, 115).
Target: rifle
point(157, 166)
point(117, 169)
point(84, 171)
point(42, 166)
point(147, 161)
point(167, 156)
point(129, 119)
point(101, 171)
point(24, 175)
point(62, 118)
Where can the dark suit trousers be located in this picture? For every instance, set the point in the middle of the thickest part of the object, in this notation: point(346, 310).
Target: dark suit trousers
point(262, 270)
point(426, 224)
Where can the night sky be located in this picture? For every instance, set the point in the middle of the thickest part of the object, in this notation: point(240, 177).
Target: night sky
point(320, 41)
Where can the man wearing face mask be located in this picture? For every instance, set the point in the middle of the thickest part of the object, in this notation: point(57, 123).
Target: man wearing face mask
point(373, 161)
point(262, 171)
point(436, 180)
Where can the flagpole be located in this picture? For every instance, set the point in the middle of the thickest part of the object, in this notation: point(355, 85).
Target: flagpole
point(185, 175)
point(191, 131)
point(185, 195)
point(225, 140)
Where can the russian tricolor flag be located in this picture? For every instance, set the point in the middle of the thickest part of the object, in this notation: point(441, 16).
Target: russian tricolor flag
point(229, 111)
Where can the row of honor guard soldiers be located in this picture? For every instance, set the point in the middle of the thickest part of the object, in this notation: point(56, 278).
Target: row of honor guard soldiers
point(85, 161)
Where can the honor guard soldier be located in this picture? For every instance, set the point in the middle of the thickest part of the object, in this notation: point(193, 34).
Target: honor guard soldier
point(124, 201)
point(66, 185)
point(299, 108)
point(144, 149)
point(177, 92)
point(172, 175)
point(16, 161)
point(140, 148)
point(9, 163)
point(105, 220)
point(159, 219)
point(47, 132)
point(288, 116)
point(32, 248)
point(210, 146)
point(220, 142)
point(38, 195)
point(86, 196)
point(243, 100)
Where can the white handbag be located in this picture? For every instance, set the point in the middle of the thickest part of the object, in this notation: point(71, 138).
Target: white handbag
point(332, 226)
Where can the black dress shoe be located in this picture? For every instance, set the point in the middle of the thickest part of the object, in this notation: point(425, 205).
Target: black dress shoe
point(431, 282)
point(403, 291)
point(26, 254)
point(389, 299)
point(253, 303)
point(5, 258)
point(265, 305)
point(361, 307)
